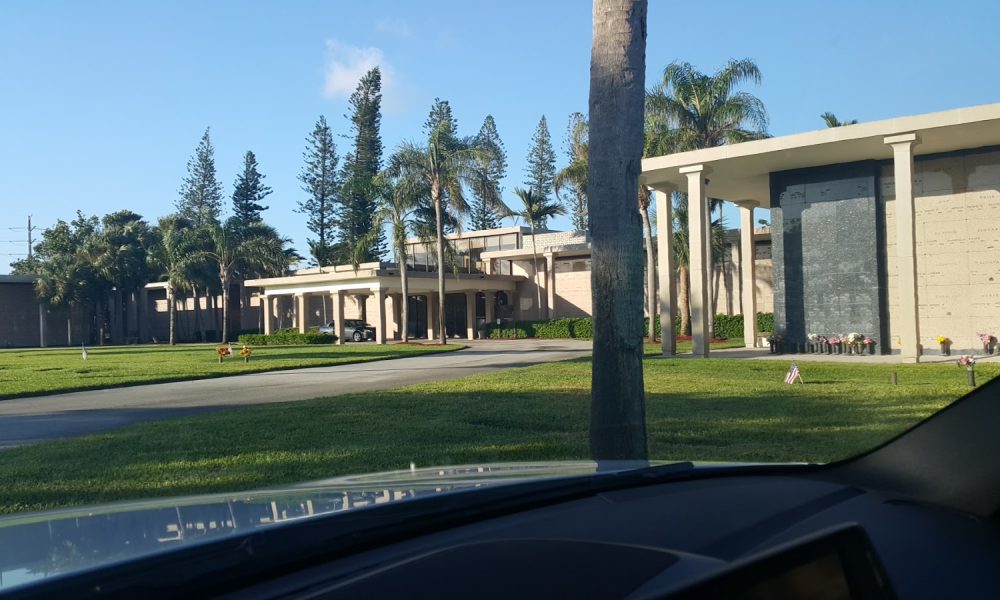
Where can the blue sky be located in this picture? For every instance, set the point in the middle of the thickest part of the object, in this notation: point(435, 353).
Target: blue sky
point(102, 103)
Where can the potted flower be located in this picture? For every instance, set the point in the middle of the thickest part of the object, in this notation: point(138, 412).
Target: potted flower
point(812, 343)
point(774, 343)
point(870, 344)
point(969, 362)
point(854, 341)
point(835, 344)
point(945, 344)
point(821, 344)
point(245, 353)
point(989, 342)
point(222, 352)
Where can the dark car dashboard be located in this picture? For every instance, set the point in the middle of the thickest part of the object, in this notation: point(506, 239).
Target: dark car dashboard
point(728, 537)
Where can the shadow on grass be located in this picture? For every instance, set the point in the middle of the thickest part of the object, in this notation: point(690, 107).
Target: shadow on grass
point(280, 444)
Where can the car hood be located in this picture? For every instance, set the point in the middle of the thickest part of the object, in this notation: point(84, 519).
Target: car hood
point(38, 545)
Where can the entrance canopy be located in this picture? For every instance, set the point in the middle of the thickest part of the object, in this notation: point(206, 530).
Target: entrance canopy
point(742, 171)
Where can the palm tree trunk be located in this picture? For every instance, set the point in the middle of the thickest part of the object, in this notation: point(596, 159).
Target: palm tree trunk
point(198, 322)
point(225, 308)
point(534, 260)
point(171, 314)
point(617, 96)
point(684, 299)
point(650, 273)
point(439, 227)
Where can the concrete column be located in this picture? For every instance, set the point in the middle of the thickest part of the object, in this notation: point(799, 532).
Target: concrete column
point(698, 253)
point(397, 315)
point(267, 305)
point(907, 317)
point(470, 315)
point(300, 312)
point(748, 279)
point(491, 299)
point(380, 320)
point(432, 305)
point(667, 269)
point(550, 285)
point(338, 315)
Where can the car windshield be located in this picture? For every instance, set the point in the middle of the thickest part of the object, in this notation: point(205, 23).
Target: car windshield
point(256, 251)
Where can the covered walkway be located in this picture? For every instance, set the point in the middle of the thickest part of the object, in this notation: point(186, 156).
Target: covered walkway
point(373, 293)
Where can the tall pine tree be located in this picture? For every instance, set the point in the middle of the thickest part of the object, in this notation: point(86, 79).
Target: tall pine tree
point(249, 191)
point(487, 191)
point(358, 202)
point(541, 169)
point(201, 192)
point(440, 117)
point(320, 181)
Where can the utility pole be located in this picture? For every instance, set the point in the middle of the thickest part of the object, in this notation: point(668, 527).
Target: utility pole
point(29, 237)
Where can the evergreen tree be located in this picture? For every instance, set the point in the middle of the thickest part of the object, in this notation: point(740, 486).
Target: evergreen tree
point(572, 178)
point(319, 180)
point(358, 200)
point(441, 117)
point(249, 191)
point(541, 169)
point(201, 193)
point(486, 193)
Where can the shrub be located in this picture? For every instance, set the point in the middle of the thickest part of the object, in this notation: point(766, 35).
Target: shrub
point(728, 326)
point(583, 328)
point(286, 337)
point(765, 322)
point(559, 328)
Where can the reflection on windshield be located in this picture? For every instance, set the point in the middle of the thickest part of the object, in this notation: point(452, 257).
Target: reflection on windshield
point(44, 545)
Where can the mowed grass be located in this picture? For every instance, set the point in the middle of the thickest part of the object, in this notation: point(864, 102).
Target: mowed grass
point(46, 371)
point(716, 410)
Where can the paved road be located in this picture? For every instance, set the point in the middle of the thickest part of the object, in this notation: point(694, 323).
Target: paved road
point(32, 420)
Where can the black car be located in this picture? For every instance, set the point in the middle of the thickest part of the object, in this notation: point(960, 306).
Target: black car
point(354, 329)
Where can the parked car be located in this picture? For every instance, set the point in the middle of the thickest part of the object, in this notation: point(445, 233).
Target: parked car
point(354, 329)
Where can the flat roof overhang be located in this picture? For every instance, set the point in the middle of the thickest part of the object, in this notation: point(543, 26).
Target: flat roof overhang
point(365, 280)
point(742, 171)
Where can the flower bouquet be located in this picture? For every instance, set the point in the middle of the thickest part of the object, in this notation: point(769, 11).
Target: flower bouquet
point(945, 344)
point(245, 353)
point(989, 342)
point(969, 362)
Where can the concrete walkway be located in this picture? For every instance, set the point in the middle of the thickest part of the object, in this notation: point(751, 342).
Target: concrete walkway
point(31, 420)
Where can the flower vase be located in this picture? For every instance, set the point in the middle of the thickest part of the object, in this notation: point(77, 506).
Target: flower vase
point(246, 359)
point(972, 377)
point(220, 359)
point(829, 348)
point(946, 349)
point(988, 347)
point(871, 348)
point(770, 347)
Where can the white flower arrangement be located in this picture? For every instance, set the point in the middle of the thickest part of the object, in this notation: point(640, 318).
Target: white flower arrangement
point(855, 338)
point(812, 337)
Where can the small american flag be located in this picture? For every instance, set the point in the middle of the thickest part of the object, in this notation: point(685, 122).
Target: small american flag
point(793, 374)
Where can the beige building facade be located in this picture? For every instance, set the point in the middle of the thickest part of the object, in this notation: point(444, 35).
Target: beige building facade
point(886, 228)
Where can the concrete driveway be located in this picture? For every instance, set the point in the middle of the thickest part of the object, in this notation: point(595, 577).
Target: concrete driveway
point(31, 420)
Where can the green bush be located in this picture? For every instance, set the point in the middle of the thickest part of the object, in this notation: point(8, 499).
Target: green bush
point(726, 326)
point(765, 322)
point(583, 328)
point(286, 337)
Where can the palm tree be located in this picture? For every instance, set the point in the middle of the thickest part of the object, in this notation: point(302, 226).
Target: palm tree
point(118, 253)
point(690, 110)
point(617, 83)
point(645, 197)
point(831, 120)
point(399, 200)
point(574, 175)
point(444, 165)
point(535, 210)
point(170, 254)
point(233, 243)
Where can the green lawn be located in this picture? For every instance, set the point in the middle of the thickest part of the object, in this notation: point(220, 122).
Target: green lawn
point(46, 371)
point(719, 409)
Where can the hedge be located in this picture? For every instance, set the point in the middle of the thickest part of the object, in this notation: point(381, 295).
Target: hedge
point(286, 338)
point(726, 326)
